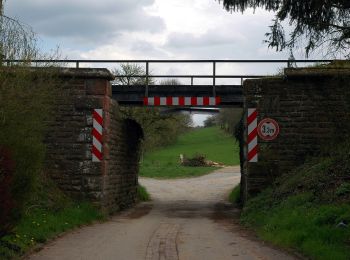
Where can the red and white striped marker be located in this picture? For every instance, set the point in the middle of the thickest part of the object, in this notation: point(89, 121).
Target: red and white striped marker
point(181, 101)
point(97, 135)
point(252, 122)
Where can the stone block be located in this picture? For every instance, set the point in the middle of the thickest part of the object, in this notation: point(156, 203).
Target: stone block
point(96, 87)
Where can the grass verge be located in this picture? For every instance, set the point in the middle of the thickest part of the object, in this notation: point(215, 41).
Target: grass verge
point(212, 142)
point(299, 223)
point(235, 195)
point(308, 209)
point(40, 225)
point(47, 213)
point(142, 193)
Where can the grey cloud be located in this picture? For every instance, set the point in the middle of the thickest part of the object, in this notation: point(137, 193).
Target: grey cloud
point(210, 38)
point(88, 20)
point(222, 43)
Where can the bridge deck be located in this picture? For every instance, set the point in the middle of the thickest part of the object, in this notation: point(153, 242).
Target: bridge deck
point(230, 95)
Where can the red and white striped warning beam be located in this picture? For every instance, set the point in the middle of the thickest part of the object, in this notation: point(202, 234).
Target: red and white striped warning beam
point(97, 135)
point(181, 101)
point(252, 122)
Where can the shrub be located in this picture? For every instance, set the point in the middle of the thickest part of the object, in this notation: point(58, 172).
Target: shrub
point(343, 189)
point(142, 193)
point(6, 199)
point(25, 103)
point(235, 195)
point(26, 95)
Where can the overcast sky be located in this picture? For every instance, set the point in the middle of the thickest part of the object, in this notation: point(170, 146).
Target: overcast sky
point(129, 29)
point(149, 29)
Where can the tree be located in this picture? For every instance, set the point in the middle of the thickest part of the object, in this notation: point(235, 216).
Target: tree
point(127, 75)
point(315, 23)
point(210, 121)
point(17, 40)
point(2, 7)
point(170, 82)
point(228, 118)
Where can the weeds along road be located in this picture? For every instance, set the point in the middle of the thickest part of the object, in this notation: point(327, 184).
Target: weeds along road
point(187, 219)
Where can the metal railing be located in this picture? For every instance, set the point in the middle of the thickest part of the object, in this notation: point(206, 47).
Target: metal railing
point(147, 64)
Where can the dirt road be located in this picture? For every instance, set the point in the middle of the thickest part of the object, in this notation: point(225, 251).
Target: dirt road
point(187, 219)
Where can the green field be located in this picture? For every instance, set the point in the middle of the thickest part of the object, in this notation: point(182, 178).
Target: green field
point(212, 142)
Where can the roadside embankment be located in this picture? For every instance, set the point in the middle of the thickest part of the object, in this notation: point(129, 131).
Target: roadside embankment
point(308, 209)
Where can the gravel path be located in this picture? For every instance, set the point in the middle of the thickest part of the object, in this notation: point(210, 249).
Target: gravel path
point(188, 219)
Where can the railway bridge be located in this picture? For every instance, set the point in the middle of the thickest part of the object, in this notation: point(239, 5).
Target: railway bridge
point(93, 153)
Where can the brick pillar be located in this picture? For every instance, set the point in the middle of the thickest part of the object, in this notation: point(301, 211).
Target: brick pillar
point(112, 183)
point(69, 139)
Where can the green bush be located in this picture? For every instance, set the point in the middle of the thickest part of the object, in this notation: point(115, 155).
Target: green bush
point(142, 193)
point(235, 195)
point(25, 103)
point(343, 189)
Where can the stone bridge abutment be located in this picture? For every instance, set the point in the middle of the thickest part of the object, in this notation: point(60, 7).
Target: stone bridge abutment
point(312, 108)
point(112, 182)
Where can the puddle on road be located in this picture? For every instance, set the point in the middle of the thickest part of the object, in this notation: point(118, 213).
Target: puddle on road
point(225, 212)
point(139, 211)
point(214, 211)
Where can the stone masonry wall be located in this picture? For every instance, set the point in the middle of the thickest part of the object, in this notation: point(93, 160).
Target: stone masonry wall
point(312, 107)
point(112, 183)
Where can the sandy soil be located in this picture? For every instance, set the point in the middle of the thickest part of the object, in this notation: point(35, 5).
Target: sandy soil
point(187, 219)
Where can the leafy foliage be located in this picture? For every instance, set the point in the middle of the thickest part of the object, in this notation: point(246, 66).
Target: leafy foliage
point(25, 103)
point(7, 169)
point(235, 195)
point(142, 193)
point(228, 118)
point(210, 121)
point(318, 23)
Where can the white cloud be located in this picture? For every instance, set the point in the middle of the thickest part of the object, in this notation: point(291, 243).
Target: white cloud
point(148, 29)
